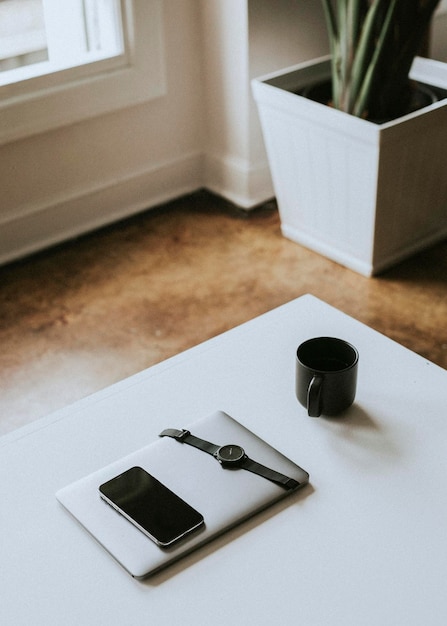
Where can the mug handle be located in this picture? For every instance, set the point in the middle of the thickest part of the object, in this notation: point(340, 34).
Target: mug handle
point(314, 396)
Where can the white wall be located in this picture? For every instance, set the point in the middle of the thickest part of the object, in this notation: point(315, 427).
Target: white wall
point(203, 132)
point(439, 33)
point(241, 40)
point(225, 78)
point(67, 181)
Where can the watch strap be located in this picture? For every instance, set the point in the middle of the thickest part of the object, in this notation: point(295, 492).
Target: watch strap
point(270, 474)
point(184, 436)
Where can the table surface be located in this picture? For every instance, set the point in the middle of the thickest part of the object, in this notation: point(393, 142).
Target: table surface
point(364, 543)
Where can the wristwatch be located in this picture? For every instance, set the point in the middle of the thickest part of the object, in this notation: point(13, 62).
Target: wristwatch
point(231, 456)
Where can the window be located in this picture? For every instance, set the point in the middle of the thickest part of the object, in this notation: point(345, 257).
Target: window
point(44, 36)
point(22, 35)
point(63, 61)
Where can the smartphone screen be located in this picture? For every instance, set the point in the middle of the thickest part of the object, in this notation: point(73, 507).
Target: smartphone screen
point(153, 508)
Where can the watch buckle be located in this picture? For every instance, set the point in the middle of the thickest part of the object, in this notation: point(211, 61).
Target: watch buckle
point(182, 435)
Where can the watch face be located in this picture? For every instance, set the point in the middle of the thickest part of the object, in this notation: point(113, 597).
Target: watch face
point(230, 454)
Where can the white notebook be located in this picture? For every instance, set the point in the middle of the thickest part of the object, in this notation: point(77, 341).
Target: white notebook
point(224, 497)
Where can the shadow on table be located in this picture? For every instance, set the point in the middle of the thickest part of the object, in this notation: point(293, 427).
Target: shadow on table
point(362, 438)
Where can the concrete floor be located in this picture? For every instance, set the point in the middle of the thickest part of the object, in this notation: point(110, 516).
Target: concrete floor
point(88, 313)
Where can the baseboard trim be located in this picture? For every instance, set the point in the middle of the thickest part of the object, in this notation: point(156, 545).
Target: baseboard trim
point(38, 227)
point(245, 185)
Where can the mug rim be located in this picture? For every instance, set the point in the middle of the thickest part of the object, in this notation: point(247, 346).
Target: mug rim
point(343, 342)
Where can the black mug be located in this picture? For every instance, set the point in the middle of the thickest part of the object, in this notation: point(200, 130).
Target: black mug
point(326, 375)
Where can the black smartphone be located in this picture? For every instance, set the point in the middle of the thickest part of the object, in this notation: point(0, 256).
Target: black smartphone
point(153, 508)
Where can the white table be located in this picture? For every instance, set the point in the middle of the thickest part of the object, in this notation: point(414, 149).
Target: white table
point(365, 543)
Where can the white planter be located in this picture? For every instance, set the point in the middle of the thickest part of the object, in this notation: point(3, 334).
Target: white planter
point(365, 195)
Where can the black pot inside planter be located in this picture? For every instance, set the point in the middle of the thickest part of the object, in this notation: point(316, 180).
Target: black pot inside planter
point(422, 95)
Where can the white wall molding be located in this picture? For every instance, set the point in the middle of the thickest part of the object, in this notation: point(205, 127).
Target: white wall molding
point(36, 226)
point(237, 180)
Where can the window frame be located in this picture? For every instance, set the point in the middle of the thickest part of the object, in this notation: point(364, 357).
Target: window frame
point(67, 96)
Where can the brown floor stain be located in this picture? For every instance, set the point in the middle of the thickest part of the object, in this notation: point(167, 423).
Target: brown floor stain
point(88, 313)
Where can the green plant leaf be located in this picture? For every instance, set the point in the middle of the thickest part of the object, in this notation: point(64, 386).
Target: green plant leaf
point(365, 72)
point(373, 44)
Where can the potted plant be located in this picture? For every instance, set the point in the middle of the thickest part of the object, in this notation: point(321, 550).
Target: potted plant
point(357, 141)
